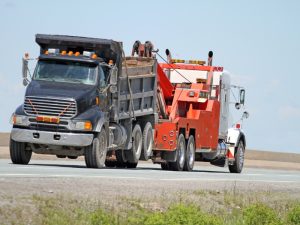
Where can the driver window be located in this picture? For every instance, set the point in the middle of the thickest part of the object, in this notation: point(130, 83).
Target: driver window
point(102, 81)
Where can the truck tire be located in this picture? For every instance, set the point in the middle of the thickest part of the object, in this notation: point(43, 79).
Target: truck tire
point(147, 142)
point(190, 154)
point(95, 154)
point(133, 155)
point(121, 160)
point(238, 165)
point(131, 165)
point(18, 152)
point(180, 155)
point(110, 164)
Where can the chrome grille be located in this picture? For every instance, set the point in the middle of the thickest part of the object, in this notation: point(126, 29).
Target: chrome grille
point(50, 106)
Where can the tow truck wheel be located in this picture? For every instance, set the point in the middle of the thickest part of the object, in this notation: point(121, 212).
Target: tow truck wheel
point(180, 158)
point(165, 166)
point(18, 152)
point(121, 160)
point(190, 154)
point(95, 154)
point(133, 155)
point(238, 165)
point(147, 142)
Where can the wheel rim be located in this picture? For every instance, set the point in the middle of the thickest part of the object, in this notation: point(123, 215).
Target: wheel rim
point(181, 153)
point(102, 146)
point(241, 155)
point(138, 144)
point(191, 154)
point(149, 143)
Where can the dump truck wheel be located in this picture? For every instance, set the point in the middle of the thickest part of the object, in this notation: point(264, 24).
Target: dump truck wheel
point(95, 154)
point(131, 165)
point(190, 154)
point(18, 152)
point(238, 165)
point(110, 164)
point(180, 158)
point(121, 160)
point(133, 155)
point(147, 142)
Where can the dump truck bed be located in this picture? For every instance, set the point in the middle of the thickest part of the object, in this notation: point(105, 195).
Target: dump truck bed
point(137, 87)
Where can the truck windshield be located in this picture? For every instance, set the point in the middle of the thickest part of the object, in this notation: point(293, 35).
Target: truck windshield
point(62, 71)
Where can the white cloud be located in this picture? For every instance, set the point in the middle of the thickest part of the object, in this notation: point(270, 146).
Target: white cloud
point(289, 112)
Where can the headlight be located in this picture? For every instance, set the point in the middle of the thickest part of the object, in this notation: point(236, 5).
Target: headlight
point(19, 120)
point(83, 125)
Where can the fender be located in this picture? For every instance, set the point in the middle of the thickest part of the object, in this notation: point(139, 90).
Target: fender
point(234, 136)
point(95, 115)
point(101, 122)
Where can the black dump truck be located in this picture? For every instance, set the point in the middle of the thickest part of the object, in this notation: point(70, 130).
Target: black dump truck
point(85, 98)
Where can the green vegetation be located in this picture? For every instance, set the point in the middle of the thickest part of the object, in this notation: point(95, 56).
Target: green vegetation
point(231, 209)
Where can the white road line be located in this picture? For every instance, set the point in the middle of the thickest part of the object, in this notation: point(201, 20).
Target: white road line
point(143, 178)
point(19, 174)
point(231, 180)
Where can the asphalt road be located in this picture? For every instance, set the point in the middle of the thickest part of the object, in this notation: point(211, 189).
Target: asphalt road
point(145, 171)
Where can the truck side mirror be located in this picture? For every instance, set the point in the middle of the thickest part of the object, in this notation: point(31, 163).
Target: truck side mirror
point(113, 76)
point(245, 115)
point(25, 71)
point(242, 96)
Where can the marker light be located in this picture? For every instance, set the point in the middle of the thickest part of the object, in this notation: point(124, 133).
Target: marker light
point(47, 119)
point(199, 62)
point(110, 62)
point(53, 51)
point(87, 53)
point(19, 120)
point(83, 125)
point(70, 53)
point(94, 56)
point(77, 53)
point(46, 52)
point(64, 52)
point(238, 126)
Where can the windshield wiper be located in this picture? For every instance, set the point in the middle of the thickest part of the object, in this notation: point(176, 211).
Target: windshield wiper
point(75, 80)
point(47, 79)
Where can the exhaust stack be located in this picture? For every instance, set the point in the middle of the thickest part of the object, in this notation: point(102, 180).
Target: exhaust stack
point(210, 58)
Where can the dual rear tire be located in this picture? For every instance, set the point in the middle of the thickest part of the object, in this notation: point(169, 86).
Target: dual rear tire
point(185, 155)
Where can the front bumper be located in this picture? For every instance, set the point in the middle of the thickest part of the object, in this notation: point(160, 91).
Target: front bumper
point(51, 138)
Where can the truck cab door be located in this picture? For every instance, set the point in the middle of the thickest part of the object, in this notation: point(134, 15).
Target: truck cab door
point(102, 90)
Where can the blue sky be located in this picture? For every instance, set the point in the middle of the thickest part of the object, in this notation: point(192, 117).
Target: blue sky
point(257, 41)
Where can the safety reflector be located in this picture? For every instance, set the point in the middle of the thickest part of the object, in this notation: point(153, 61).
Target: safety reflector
point(230, 153)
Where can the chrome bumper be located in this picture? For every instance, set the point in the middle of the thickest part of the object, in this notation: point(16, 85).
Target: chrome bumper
point(51, 138)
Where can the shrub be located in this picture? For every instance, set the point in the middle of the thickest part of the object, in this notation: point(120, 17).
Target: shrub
point(260, 214)
point(293, 215)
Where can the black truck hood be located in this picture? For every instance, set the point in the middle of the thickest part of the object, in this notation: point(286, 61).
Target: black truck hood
point(83, 94)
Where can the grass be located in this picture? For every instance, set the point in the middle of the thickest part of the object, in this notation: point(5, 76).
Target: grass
point(228, 208)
